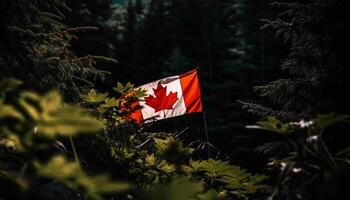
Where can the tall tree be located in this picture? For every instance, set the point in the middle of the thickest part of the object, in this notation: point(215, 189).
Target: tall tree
point(93, 13)
point(35, 47)
point(314, 80)
point(109, 19)
point(316, 63)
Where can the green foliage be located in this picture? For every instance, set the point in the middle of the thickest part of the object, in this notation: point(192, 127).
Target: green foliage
point(166, 37)
point(308, 157)
point(275, 125)
point(94, 97)
point(158, 162)
point(172, 149)
point(112, 110)
point(8, 85)
point(35, 47)
point(123, 89)
point(320, 123)
point(235, 180)
point(315, 64)
point(48, 116)
point(324, 121)
point(179, 189)
point(93, 187)
point(30, 124)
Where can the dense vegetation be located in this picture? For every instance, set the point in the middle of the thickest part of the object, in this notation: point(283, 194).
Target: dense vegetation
point(65, 128)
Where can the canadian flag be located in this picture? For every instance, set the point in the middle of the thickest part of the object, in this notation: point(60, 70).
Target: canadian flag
point(169, 97)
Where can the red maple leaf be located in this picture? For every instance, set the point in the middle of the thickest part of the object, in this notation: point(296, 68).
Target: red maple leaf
point(161, 101)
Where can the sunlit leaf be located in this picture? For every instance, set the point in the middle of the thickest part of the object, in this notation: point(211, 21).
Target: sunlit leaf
point(167, 167)
point(9, 111)
point(51, 102)
point(275, 125)
point(9, 84)
point(150, 160)
point(71, 174)
point(171, 149)
point(94, 97)
point(29, 109)
point(232, 177)
point(69, 120)
point(119, 88)
point(324, 121)
point(123, 89)
point(139, 93)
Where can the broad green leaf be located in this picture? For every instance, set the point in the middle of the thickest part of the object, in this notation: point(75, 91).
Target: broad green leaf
point(171, 149)
point(70, 173)
point(167, 167)
point(150, 160)
point(324, 121)
point(139, 93)
point(58, 167)
point(110, 102)
point(9, 84)
point(275, 125)
point(51, 102)
point(123, 89)
point(128, 86)
point(29, 108)
point(95, 97)
point(69, 120)
point(232, 177)
point(119, 88)
point(9, 111)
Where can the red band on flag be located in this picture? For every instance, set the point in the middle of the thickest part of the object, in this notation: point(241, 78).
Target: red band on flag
point(191, 91)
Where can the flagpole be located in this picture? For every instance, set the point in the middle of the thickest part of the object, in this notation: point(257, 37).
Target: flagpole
point(204, 117)
point(206, 131)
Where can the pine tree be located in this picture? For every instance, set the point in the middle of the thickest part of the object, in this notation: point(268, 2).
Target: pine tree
point(109, 19)
point(97, 14)
point(35, 47)
point(314, 81)
point(316, 62)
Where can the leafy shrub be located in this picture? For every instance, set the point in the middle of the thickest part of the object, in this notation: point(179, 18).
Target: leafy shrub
point(307, 165)
point(158, 161)
point(30, 125)
point(159, 164)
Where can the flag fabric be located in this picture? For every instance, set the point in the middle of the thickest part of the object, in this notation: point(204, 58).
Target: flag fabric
point(169, 97)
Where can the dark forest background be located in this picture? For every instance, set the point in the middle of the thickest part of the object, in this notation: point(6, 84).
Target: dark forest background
point(154, 39)
point(274, 79)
